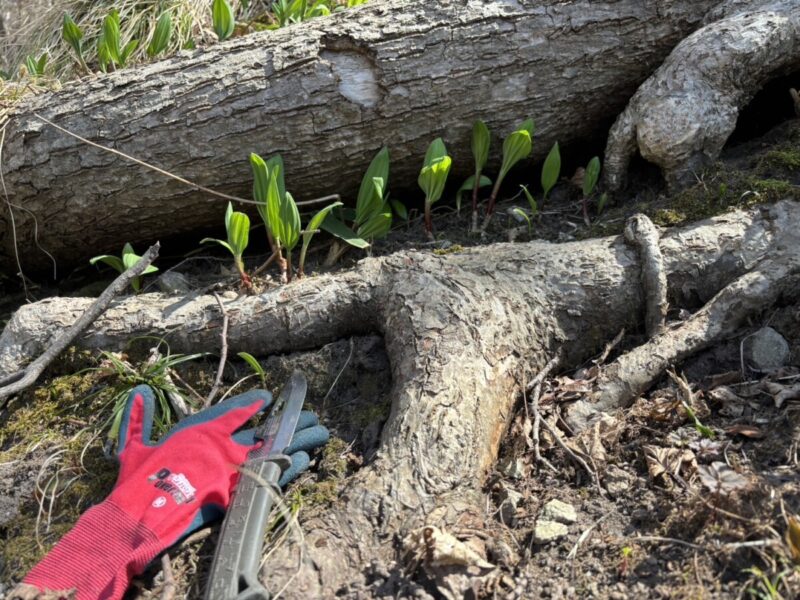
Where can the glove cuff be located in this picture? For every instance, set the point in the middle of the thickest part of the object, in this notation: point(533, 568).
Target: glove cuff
point(99, 556)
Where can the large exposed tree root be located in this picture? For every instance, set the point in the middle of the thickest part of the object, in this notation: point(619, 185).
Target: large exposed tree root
point(681, 117)
point(463, 332)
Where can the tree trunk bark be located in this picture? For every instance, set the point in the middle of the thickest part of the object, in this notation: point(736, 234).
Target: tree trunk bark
point(327, 94)
point(463, 332)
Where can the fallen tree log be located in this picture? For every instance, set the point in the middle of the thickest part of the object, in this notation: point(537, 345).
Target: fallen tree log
point(463, 332)
point(327, 94)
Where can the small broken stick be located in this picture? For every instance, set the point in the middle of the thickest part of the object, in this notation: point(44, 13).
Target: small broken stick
point(16, 382)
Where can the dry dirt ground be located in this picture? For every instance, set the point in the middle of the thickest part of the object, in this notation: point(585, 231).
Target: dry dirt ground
point(689, 494)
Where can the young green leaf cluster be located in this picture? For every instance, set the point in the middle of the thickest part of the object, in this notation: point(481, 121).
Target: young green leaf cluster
point(121, 264)
point(237, 225)
point(433, 177)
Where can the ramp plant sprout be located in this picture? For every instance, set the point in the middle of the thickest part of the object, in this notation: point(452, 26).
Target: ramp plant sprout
point(122, 264)
point(237, 225)
point(432, 178)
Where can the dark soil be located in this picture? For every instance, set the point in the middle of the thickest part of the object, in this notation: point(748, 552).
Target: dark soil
point(639, 535)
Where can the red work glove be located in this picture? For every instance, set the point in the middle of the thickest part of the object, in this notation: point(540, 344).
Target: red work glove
point(163, 492)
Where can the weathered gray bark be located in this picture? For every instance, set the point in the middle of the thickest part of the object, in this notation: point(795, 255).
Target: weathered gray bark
point(326, 94)
point(681, 117)
point(461, 331)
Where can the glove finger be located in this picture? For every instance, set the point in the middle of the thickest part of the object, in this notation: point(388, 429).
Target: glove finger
point(137, 418)
point(307, 419)
point(300, 462)
point(228, 415)
point(308, 439)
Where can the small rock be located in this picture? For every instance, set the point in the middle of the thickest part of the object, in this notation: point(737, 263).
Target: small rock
point(509, 502)
point(172, 282)
point(558, 511)
point(766, 349)
point(548, 531)
point(513, 468)
point(617, 481)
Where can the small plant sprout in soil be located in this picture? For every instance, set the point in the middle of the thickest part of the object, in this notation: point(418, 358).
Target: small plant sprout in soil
point(128, 259)
point(516, 147)
point(237, 224)
point(433, 177)
point(481, 140)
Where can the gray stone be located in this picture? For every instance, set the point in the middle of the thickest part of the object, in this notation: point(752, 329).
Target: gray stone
point(513, 468)
point(510, 500)
point(172, 282)
point(548, 531)
point(617, 481)
point(558, 511)
point(766, 350)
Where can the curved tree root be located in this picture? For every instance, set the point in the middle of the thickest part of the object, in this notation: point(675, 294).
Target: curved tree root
point(463, 333)
point(681, 117)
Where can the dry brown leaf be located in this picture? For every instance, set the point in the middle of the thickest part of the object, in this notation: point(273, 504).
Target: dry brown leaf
point(435, 547)
point(726, 378)
point(733, 404)
point(672, 461)
point(748, 431)
point(793, 537)
point(720, 478)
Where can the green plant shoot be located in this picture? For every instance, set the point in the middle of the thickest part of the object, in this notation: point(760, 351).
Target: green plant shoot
point(36, 66)
point(590, 177)
point(161, 35)
point(516, 146)
point(551, 169)
point(73, 35)
point(237, 225)
point(283, 221)
point(222, 18)
point(313, 227)
point(109, 48)
point(480, 153)
point(128, 260)
point(255, 366)
point(433, 177)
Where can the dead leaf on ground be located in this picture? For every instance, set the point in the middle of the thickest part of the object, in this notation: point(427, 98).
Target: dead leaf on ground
point(733, 405)
point(668, 461)
point(720, 478)
point(722, 379)
point(745, 430)
point(793, 537)
point(782, 393)
point(434, 547)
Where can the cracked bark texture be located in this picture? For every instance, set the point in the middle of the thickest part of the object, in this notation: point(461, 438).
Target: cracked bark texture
point(681, 117)
point(462, 331)
point(327, 94)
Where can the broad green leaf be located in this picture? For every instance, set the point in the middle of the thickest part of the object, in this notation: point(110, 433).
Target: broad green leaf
point(260, 185)
point(523, 216)
point(601, 202)
point(377, 226)
point(277, 162)
point(590, 176)
point(103, 56)
point(433, 178)
point(468, 185)
point(291, 221)
point(129, 49)
point(436, 150)
point(316, 221)
point(367, 203)
point(228, 213)
point(531, 201)
point(72, 34)
point(336, 228)
point(112, 261)
point(222, 17)
point(30, 65)
point(480, 145)
point(238, 233)
point(399, 209)
point(551, 169)
point(111, 36)
point(161, 36)
point(516, 146)
point(130, 258)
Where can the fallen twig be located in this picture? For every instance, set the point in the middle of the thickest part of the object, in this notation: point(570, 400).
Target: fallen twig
point(16, 382)
point(592, 474)
point(534, 408)
point(223, 355)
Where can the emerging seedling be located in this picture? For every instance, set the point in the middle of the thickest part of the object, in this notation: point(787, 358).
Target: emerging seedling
point(283, 220)
point(551, 169)
point(36, 66)
point(237, 225)
point(161, 35)
point(433, 177)
point(590, 176)
point(313, 227)
point(480, 152)
point(110, 51)
point(255, 366)
point(222, 18)
point(73, 35)
point(517, 146)
point(129, 258)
